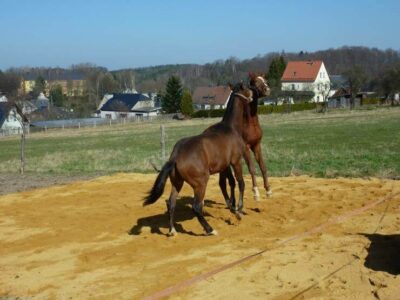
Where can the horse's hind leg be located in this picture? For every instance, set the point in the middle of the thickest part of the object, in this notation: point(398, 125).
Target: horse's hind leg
point(252, 170)
point(237, 167)
point(176, 187)
point(222, 186)
point(258, 155)
point(198, 203)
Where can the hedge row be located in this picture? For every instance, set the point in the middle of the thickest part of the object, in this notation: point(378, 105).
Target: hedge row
point(262, 110)
point(371, 101)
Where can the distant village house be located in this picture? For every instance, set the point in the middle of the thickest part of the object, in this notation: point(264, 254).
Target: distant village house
point(211, 97)
point(127, 105)
point(71, 83)
point(308, 80)
point(12, 119)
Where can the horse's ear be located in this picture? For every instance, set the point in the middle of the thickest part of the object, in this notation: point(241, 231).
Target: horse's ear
point(241, 85)
point(252, 76)
point(230, 86)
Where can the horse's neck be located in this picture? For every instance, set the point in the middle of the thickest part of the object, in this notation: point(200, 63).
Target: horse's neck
point(253, 106)
point(235, 117)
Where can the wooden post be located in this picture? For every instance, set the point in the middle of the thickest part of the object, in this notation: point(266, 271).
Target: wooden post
point(23, 150)
point(79, 125)
point(110, 122)
point(162, 142)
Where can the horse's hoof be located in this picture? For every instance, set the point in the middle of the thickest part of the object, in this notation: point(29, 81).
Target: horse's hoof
point(238, 215)
point(172, 232)
point(256, 194)
point(214, 232)
point(269, 193)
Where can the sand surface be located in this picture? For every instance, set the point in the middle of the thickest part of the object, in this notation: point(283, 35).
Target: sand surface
point(73, 242)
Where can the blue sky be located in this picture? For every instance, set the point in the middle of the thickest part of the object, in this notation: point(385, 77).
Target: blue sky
point(125, 33)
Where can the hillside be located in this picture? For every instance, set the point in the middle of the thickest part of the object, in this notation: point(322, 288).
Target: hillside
point(374, 62)
point(151, 79)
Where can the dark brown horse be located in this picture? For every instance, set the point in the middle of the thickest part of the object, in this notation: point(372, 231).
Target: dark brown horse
point(252, 135)
point(194, 159)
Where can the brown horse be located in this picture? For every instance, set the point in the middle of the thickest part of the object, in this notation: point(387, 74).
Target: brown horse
point(252, 135)
point(194, 159)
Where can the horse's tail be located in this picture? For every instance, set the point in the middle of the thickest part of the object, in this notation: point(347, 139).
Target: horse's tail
point(158, 187)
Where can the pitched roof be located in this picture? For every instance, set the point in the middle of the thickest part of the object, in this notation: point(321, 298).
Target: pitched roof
point(217, 95)
point(123, 102)
point(342, 92)
point(5, 108)
point(301, 70)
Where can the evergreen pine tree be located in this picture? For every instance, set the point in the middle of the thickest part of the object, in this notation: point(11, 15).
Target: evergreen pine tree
point(173, 95)
point(275, 72)
point(56, 95)
point(187, 104)
point(40, 86)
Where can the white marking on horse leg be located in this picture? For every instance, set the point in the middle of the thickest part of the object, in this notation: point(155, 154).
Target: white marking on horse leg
point(269, 193)
point(214, 232)
point(172, 232)
point(256, 193)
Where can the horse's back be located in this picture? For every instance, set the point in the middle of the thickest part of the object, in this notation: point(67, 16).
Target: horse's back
point(207, 153)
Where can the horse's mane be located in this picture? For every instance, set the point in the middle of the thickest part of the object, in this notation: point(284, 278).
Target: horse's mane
point(254, 104)
point(239, 87)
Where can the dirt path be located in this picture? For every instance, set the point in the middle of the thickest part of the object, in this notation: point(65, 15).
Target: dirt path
point(72, 241)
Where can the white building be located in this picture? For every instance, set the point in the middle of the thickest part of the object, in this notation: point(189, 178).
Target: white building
point(123, 105)
point(11, 119)
point(306, 78)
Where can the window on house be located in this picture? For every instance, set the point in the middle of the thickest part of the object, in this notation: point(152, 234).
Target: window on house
point(317, 98)
point(293, 87)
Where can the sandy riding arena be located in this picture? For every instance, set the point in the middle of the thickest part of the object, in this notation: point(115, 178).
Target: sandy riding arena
point(94, 240)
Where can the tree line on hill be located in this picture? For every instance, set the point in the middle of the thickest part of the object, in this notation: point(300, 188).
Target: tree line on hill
point(367, 68)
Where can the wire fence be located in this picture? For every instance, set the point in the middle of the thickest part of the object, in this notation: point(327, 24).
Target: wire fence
point(44, 126)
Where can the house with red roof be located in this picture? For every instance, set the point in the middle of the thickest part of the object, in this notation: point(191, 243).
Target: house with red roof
point(211, 97)
point(309, 78)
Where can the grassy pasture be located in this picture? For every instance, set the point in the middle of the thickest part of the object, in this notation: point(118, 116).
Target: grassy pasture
point(340, 143)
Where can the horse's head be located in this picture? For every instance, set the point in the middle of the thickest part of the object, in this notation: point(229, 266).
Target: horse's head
point(260, 84)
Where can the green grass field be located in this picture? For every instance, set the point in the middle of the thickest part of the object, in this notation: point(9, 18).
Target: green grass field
point(341, 143)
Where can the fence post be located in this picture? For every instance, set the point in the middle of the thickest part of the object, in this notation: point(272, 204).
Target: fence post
point(162, 141)
point(23, 150)
point(79, 125)
point(110, 122)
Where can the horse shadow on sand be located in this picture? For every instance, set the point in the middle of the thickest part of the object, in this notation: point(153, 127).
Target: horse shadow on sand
point(183, 212)
point(383, 253)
